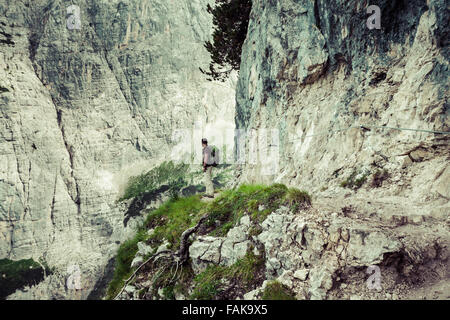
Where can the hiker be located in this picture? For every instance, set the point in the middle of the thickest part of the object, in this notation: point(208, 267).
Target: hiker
point(207, 169)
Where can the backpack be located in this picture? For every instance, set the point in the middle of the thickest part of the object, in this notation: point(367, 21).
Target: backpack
point(215, 155)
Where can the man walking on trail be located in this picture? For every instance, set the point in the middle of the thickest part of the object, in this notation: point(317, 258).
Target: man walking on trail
point(207, 169)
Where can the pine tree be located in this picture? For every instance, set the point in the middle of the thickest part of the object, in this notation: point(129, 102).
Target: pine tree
point(230, 19)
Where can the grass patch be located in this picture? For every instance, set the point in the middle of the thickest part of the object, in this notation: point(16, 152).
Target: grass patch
point(255, 230)
point(276, 291)
point(172, 218)
point(168, 179)
point(169, 284)
point(169, 222)
point(124, 257)
point(18, 274)
point(168, 293)
point(355, 180)
point(209, 284)
point(231, 205)
point(298, 199)
point(177, 177)
point(166, 173)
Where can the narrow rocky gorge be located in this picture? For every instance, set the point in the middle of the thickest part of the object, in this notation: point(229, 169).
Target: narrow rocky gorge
point(361, 122)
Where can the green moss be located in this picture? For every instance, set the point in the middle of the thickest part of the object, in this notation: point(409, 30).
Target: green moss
point(18, 274)
point(276, 291)
point(209, 283)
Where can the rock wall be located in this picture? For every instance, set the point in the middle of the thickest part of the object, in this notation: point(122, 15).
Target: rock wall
point(340, 96)
point(344, 99)
point(81, 109)
point(315, 72)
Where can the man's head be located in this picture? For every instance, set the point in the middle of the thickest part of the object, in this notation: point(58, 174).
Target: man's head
point(204, 142)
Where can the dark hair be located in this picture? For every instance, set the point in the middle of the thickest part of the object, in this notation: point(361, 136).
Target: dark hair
point(204, 141)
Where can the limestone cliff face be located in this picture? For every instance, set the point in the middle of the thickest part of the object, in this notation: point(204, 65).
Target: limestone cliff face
point(313, 69)
point(83, 108)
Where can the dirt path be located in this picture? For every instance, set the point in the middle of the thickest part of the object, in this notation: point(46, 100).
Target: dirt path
point(414, 223)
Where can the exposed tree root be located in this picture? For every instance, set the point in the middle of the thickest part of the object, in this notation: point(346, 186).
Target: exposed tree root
point(179, 258)
point(183, 252)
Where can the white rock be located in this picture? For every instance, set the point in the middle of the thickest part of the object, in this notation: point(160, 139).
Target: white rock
point(137, 261)
point(301, 274)
point(286, 279)
point(164, 246)
point(144, 249)
point(130, 289)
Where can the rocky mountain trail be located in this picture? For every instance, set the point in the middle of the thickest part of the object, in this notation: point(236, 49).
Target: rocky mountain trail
point(322, 252)
point(389, 210)
point(100, 130)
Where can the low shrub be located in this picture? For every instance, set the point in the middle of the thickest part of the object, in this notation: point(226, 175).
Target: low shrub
point(276, 291)
point(209, 283)
point(298, 199)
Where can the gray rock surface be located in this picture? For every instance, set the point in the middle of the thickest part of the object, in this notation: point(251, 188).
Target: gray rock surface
point(310, 251)
point(312, 70)
point(221, 250)
point(316, 73)
point(320, 256)
point(82, 110)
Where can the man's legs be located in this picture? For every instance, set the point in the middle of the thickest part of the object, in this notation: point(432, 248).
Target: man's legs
point(208, 182)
